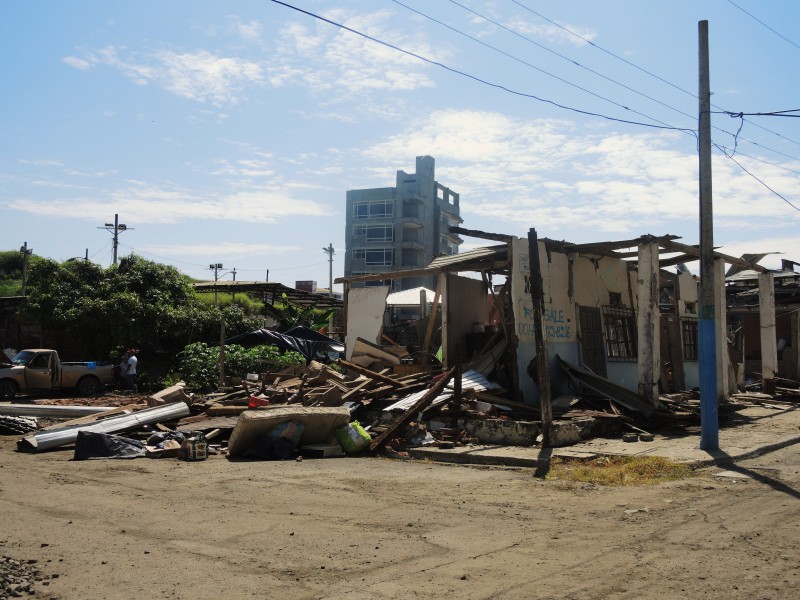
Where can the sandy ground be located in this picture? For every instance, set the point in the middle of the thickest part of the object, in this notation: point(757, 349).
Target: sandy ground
point(375, 528)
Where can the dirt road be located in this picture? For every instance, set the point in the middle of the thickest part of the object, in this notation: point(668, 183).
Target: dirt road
point(378, 528)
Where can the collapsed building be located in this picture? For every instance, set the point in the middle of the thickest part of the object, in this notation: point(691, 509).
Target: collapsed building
point(613, 316)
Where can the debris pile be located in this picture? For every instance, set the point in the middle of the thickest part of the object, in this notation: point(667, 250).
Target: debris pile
point(320, 410)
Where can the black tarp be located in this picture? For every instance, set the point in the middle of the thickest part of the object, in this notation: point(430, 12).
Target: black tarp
point(300, 339)
point(92, 444)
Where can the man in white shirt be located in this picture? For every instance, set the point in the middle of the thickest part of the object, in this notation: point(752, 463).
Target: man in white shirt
point(130, 372)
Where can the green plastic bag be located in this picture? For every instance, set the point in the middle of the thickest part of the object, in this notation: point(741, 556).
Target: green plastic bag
point(352, 438)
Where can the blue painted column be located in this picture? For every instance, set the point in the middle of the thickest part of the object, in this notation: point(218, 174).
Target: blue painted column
point(707, 347)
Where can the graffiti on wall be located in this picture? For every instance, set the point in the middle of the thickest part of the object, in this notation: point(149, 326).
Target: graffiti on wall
point(557, 325)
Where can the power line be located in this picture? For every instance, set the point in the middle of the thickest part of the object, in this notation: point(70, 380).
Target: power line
point(643, 70)
point(757, 178)
point(783, 37)
point(775, 113)
point(535, 43)
point(478, 79)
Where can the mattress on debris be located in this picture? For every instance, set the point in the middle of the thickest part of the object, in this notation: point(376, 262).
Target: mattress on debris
point(319, 423)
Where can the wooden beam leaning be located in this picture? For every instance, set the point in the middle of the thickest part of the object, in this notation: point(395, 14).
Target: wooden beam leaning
point(412, 412)
point(369, 373)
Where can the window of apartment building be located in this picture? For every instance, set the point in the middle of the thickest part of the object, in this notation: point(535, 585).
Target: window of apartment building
point(689, 331)
point(620, 327)
point(374, 233)
point(359, 253)
point(372, 209)
point(379, 257)
point(377, 283)
point(380, 233)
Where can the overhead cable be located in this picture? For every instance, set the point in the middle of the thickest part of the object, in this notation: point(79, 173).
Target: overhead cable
point(757, 178)
point(643, 70)
point(783, 37)
point(483, 81)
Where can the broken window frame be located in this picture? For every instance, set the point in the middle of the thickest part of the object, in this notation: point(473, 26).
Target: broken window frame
point(619, 326)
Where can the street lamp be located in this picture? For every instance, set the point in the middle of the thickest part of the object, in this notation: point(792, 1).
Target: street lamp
point(216, 268)
point(26, 252)
point(115, 228)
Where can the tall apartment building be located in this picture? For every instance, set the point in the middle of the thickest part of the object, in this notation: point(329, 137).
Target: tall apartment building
point(402, 227)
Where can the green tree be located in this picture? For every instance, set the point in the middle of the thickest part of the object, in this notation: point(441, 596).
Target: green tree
point(140, 304)
point(288, 315)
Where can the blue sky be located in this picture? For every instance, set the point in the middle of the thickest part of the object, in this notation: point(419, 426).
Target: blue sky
point(230, 132)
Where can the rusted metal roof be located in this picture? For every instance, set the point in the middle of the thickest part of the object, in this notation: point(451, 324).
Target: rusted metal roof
point(274, 289)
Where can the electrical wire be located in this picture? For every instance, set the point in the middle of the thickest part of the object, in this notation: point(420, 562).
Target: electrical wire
point(515, 92)
point(643, 70)
point(783, 37)
point(775, 113)
point(551, 51)
point(483, 81)
point(757, 178)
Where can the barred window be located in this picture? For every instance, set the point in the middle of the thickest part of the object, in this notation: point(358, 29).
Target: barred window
point(620, 327)
point(689, 331)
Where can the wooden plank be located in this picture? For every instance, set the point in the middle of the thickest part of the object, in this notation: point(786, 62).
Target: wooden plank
point(412, 412)
point(364, 384)
point(369, 373)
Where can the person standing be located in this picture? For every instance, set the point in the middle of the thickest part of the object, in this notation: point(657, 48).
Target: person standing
point(130, 372)
point(120, 373)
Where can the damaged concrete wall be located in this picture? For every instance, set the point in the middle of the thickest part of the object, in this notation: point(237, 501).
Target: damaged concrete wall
point(558, 318)
point(365, 308)
point(462, 315)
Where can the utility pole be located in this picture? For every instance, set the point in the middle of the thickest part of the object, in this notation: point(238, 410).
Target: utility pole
point(330, 252)
point(706, 323)
point(26, 252)
point(115, 228)
point(216, 268)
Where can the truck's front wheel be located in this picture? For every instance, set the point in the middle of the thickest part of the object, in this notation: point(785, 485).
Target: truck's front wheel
point(88, 386)
point(8, 389)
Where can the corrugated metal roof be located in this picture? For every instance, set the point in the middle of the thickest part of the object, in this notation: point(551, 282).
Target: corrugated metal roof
point(409, 297)
point(470, 379)
point(486, 253)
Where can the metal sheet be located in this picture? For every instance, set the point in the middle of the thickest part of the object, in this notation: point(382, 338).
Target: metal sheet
point(50, 410)
point(48, 440)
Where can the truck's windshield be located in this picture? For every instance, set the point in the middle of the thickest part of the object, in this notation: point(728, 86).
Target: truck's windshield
point(23, 357)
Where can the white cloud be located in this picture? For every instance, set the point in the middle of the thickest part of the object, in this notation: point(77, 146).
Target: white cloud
point(77, 63)
point(200, 76)
point(228, 249)
point(557, 176)
point(251, 31)
point(334, 59)
point(152, 204)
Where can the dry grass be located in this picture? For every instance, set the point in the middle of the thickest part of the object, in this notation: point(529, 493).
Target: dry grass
point(618, 470)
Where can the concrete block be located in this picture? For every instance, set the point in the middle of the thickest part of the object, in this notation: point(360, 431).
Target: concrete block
point(503, 432)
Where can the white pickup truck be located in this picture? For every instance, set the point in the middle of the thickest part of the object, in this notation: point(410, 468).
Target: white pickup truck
point(40, 370)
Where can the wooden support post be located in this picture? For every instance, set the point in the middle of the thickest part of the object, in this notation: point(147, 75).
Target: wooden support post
point(432, 319)
point(648, 322)
point(412, 412)
point(721, 324)
point(769, 343)
point(542, 362)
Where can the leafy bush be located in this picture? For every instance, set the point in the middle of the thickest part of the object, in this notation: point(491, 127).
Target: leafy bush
point(198, 366)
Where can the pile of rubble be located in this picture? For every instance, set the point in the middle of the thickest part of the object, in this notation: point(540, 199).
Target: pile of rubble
point(322, 410)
